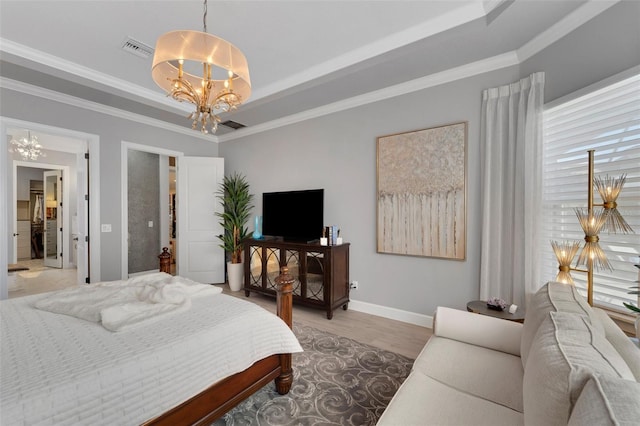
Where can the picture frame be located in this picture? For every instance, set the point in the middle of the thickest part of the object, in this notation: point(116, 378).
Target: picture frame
point(421, 192)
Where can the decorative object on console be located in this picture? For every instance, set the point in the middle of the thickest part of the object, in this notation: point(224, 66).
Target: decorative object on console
point(331, 234)
point(421, 192)
point(257, 228)
point(496, 304)
point(237, 204)
point(28, 147)
point(592, 223)
point(211, 97)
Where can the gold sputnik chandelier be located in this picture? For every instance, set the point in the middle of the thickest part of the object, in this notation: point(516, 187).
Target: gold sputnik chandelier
point(179, 55)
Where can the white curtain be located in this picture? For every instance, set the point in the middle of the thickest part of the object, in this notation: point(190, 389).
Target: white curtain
point(511, 155)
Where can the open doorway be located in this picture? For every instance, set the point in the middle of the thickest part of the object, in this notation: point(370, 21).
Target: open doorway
point(44, 257)
point(78, 263)
point(40, 232)
point(148, 207)
point(196, 249)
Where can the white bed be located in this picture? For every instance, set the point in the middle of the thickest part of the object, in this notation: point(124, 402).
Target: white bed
point(57, 369)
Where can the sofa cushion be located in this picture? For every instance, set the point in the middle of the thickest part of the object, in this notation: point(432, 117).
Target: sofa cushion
point(607, 401)
point(422, 401)
point(565, 353)
point(552, 297)
point(625, 347)
point(488, 374)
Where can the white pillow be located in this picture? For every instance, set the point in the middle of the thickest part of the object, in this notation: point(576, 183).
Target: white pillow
point(552, 297)
point(565, 353)
point(607, 401)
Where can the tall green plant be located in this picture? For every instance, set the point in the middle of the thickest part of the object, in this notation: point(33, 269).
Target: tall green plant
point(237, 204)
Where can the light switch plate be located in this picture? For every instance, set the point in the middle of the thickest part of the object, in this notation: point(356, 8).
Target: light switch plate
point(105, 227)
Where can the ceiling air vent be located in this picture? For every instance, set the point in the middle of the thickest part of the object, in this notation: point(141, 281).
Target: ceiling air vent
point(233, 125)
point(137, 48)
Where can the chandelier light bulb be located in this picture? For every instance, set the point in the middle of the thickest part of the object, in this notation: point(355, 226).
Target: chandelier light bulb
point(609, 188)
point(565, 251)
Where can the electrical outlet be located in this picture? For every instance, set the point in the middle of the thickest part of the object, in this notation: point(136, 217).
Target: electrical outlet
point(353, 285)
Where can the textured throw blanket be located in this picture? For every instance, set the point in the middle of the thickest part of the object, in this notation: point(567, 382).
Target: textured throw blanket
point(120, 305)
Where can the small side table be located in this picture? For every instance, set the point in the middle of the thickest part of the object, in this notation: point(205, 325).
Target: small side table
point(480, 307)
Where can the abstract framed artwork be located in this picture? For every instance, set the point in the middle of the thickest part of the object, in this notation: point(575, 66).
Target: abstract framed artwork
point(421, 192)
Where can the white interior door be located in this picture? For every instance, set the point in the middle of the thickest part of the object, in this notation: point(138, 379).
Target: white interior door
point(53, 219)
point(81, 228)
point(200, 256)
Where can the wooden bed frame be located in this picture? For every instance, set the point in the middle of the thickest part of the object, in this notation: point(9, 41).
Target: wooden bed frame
point(216, 400)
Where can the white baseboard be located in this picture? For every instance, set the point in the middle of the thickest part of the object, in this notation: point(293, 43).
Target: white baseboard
point(392, 313)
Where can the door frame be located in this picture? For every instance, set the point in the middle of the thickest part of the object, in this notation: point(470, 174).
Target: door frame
point(124, 179)
point(91, 144)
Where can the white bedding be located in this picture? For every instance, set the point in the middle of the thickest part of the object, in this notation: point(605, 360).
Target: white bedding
point(57, 369)
point(122, 305)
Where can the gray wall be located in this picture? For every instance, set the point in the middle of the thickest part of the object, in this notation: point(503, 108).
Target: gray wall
point(143, 184)
point(338, 153)
point(111, 131)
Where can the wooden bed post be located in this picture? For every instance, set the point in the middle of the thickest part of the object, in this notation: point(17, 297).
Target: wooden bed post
point(284, 302)
point(165, 260)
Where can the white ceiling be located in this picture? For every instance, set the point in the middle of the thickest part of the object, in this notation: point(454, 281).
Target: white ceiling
point(304, 56)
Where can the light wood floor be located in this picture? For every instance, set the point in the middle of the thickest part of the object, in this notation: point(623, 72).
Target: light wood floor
point(396, 336)
point(39, 279)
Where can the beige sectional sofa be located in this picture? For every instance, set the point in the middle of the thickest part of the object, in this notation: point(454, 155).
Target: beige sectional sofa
point(567, 364)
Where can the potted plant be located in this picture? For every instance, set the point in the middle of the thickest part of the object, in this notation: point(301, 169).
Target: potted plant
point(237, 204)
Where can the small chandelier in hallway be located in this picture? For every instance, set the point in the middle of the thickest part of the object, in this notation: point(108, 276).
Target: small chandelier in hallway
point(179, 53)
point(28, 147)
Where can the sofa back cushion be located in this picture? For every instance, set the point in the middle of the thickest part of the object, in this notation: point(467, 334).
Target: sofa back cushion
point(607, 401)
point(552, 297)
point(565, 353)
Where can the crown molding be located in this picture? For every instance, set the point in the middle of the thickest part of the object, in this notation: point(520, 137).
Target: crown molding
point(452, 19)
point(81, 71)
point(52, 95)
point(468, 70)
point(563, 27)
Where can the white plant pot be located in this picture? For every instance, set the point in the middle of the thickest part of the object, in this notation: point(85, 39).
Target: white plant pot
point(235, 272)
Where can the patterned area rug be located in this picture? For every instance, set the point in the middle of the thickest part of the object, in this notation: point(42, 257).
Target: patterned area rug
point(337, 381)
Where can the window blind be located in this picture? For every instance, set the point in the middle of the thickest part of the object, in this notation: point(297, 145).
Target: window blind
point(606, 120)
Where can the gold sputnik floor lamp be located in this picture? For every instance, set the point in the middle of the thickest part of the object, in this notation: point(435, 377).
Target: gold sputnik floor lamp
point(608, 218)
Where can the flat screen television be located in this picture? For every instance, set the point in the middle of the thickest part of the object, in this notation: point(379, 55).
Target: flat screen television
point(293, 215)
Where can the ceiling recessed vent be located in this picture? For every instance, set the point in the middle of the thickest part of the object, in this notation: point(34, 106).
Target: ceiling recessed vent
point(137, 48)
point(233, 125)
